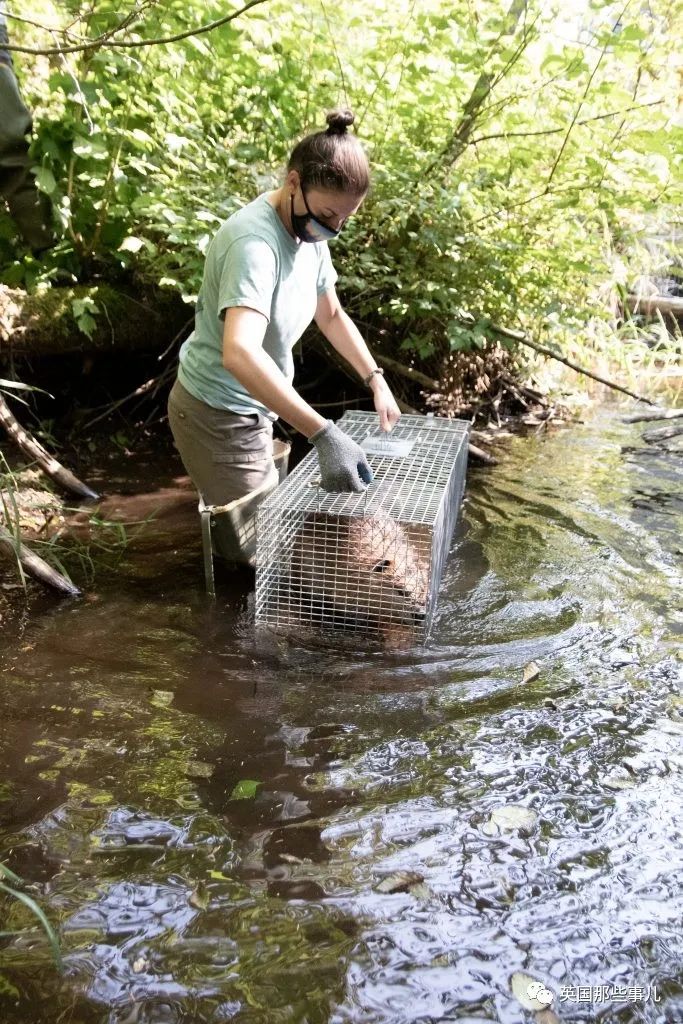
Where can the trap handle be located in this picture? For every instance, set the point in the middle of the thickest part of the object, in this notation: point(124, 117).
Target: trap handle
point(316, 482)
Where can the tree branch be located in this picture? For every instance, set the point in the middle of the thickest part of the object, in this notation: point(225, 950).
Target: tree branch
point(482, 89)
point(35, 450)
point(522, 339)
point(34, 565)
point(531, 199)
point(583, 98)
point(106, 38)
point(407, 371)
point(554, 131)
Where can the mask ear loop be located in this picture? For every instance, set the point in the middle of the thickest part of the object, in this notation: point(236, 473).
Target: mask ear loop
point(313, 217)
point(303, 196)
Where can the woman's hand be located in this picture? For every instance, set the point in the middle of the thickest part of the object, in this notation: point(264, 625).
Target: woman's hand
point(385, 404)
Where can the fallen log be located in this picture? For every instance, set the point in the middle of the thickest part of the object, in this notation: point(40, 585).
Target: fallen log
point(28, 444)
point(651, 305)
point(663, 433)
point(653, 414)
point(35, 565)
point(479, 455)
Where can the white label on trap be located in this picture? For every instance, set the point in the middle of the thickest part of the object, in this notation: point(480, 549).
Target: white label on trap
point(389, 447)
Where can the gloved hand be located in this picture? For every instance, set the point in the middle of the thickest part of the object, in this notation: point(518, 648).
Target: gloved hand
point(343, 465)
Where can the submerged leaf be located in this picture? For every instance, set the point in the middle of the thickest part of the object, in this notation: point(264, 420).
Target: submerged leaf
point(510, 818)
point(200, 897)
point(245, 789)
point(399, 881)
point(618, 782)
point(531, 672)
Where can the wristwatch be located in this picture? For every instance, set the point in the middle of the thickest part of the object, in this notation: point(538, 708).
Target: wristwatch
point(366, 380)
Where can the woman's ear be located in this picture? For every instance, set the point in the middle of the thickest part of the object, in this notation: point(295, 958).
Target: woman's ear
point(292, 182)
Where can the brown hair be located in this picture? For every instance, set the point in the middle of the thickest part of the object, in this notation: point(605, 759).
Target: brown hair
point(332, 159)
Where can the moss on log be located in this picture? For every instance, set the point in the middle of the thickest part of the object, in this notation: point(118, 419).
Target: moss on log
point(45, 322)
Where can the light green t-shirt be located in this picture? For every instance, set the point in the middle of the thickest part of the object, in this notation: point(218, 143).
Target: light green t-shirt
point(252, 261)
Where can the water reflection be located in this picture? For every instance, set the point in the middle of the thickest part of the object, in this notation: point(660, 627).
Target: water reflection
point(208, 816)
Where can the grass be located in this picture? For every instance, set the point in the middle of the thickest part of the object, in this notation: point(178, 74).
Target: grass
point(646, 358)
point(12, 885)
point(9, 509)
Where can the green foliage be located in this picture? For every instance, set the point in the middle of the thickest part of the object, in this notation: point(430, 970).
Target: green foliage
point(513, 151)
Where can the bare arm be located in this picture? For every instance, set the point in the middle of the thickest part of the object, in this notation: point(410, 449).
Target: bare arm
point(244, 357)
point(344, 336)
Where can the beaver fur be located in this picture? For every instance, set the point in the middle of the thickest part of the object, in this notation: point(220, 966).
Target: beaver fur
point(360, 573)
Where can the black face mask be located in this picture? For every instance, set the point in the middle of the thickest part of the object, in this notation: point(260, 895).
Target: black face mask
point(307, 228)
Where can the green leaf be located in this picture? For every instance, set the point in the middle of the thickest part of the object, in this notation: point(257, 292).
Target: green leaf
point(245, 789)
point(45, 180)
point(8, 989)
point(632, 33)
point(87, 324)
point(131, 244)
point(92, 147)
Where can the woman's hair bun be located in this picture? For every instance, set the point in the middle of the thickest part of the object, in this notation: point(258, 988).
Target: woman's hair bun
point(339, 120)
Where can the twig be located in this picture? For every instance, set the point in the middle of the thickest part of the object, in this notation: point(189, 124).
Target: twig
point(35, 566)
point(176, 338)
point(113, 406)
point(47, 463)
point(647, 305)
point(522, 339)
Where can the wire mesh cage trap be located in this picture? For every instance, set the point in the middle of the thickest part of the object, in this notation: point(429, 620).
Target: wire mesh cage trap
point(368, 563)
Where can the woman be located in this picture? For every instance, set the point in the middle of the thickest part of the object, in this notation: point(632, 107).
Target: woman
point(29, 209)
point(268, 273)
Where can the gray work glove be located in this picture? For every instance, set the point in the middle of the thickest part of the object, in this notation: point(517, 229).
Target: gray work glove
point(343, 466)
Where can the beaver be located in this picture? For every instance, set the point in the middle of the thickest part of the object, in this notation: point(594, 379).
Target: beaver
point(360, 573)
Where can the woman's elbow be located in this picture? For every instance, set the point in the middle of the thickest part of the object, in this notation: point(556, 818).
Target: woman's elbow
point(233, 356)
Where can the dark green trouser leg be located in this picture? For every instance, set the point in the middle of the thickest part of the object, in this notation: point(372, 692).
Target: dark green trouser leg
point(29, 208)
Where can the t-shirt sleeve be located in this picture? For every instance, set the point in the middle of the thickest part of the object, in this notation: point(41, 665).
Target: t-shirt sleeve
point(327, 275)
point(248, 276)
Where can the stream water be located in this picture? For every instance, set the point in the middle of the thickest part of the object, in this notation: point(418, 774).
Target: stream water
point(541, 822)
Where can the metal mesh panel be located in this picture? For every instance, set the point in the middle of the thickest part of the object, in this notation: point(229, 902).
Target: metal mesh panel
point(365, 563)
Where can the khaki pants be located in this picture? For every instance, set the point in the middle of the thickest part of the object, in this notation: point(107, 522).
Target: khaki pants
point(226, 454)
point(29, 208)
